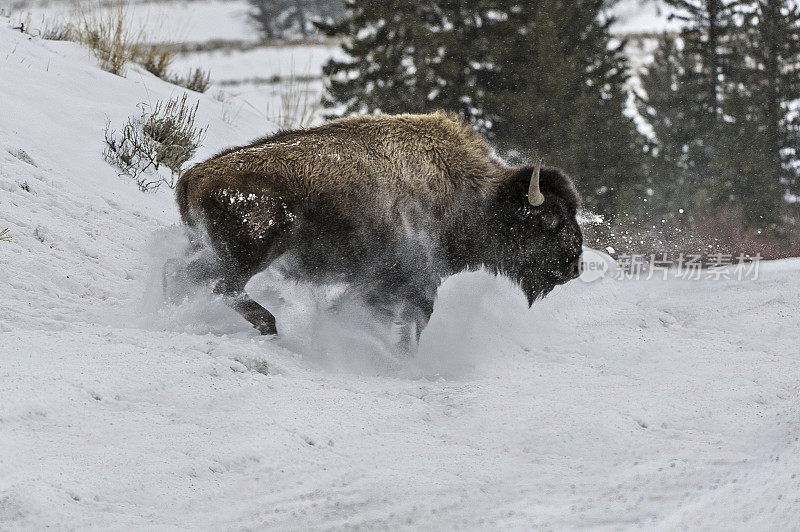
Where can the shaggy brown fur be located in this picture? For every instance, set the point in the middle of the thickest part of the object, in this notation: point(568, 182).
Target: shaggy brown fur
point(413, 198)
point(405, 156)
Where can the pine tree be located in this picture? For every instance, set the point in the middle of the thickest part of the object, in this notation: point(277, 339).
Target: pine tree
point(706, 59)
point(684, 88)
point(381, 75)
point(538, 78)
point(405, 57)
point(278, 18)
point(719, 107)
point(669, 107)
point(557, 91)
point(708, 30)
point(759, 120)
point(746, 185)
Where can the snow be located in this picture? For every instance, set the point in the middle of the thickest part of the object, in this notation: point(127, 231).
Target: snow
point(264, 63)
point(610, 404)
point(260, 77)
point(642, 16)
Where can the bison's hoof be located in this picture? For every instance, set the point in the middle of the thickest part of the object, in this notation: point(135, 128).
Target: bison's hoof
point(266, 329)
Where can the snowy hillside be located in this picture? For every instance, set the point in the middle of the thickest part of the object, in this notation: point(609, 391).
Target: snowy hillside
point(610, 404)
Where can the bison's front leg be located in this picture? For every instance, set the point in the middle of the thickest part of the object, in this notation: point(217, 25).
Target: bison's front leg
point(417, 313)
point(412, 320)
point(408, 307)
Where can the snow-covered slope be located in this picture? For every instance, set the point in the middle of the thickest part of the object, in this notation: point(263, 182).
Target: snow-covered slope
point(609, 404)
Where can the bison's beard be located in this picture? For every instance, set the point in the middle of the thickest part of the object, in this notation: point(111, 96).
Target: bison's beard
point(535, 289)
point(535, 283)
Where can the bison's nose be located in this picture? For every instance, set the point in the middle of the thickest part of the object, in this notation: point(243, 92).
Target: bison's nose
point(575, 268)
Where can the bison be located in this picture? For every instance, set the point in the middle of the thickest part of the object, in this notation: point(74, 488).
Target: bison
point(390, 205)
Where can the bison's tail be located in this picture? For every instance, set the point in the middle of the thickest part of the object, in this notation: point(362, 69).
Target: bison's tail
point(183, 199)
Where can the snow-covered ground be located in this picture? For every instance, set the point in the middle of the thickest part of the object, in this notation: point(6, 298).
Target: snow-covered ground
point(610, 404)
point(263, 63)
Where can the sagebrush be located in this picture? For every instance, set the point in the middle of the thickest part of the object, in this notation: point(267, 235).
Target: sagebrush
point(299, 104)
point(109, 31)
point(156, 59)
point(197, 80)
point(162, 138)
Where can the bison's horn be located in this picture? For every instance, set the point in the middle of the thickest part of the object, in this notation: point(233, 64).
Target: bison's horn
point(535, 196)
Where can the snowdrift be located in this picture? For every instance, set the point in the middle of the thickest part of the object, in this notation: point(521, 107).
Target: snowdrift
point(609, 404)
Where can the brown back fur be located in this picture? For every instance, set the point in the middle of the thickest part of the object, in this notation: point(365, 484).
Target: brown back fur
point(355, 162)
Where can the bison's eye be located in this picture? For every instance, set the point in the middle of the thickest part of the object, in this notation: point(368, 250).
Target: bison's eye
point(550, 221)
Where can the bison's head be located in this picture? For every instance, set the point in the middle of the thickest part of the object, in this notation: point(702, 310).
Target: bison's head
point(537, 232)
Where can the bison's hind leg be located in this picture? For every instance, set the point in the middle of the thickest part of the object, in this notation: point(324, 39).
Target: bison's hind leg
point(231, 288)
point(205, 271)
point(415, 312)
point(201, 266)
point(242, 229)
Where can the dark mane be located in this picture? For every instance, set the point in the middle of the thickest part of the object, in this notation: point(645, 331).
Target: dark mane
point(555, 181)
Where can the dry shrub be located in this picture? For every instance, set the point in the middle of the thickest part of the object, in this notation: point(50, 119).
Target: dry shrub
point(107, 33)
point(729, 234)
point(718, 231)
point(197, 80)
point(298, 105)
point(58, 31)
point(106, 29)
point(47, 29)
point(156, 59)
point(164, 135)
point(4, 236)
